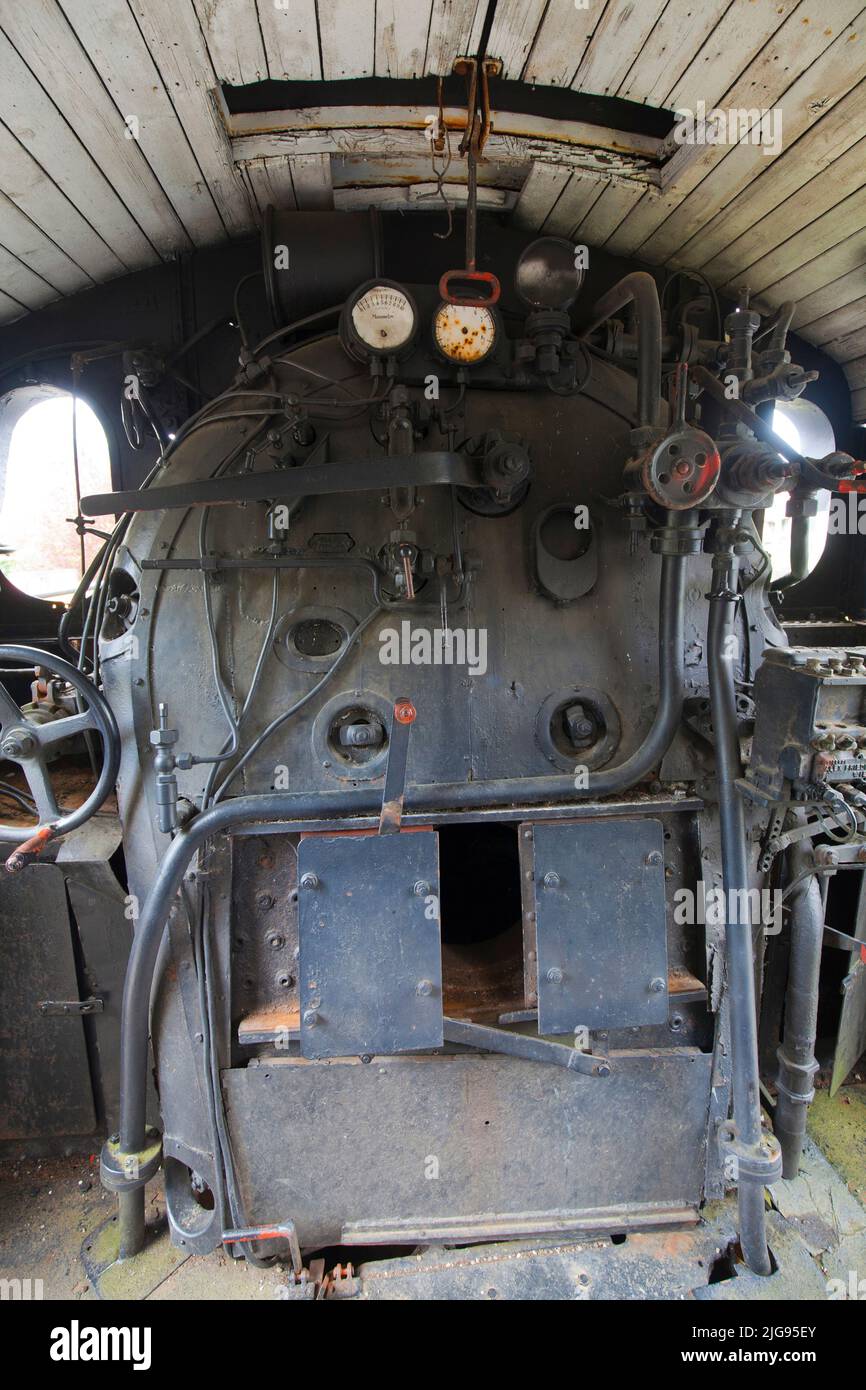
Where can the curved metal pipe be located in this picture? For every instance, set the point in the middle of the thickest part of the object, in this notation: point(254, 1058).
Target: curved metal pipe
point(638, 288)
point(281, 807)
point(738, 932)
point(797, 1062)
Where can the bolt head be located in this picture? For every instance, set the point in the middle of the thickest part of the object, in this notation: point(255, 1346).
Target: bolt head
point(551, 880)
point(311, 1018)
point(18, 743)
point(653, 859)
point(309, 881)
point(554, 975)
point(420, 889)
point(424, 988)
point(657, 985)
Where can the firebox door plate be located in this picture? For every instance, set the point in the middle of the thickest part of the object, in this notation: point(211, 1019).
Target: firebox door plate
point(370, 953)
point(599, 893)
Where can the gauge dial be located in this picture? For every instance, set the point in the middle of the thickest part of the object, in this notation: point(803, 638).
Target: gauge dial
point(464, 333)
point(380, 319)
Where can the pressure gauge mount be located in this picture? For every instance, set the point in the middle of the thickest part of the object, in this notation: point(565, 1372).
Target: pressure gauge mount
point(380, 319)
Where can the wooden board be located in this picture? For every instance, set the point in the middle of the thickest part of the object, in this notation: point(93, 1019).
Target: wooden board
point(234, 39)
point(401, 38)
point(116, 47)
point(174, 38)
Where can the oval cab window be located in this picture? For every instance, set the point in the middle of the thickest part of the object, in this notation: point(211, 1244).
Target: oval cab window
point(40, 550)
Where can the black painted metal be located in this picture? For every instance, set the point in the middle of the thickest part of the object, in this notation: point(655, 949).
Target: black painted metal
point(797, 1062)
point(738, 933)
point(370, 959)
point(600, 925)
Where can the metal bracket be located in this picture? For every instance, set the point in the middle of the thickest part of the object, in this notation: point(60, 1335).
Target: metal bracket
point(71, 1007)
point(759, 1163)
point(395, 771)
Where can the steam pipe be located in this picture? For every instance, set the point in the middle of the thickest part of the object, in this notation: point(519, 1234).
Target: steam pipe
point(638, 288)
point(280, 807)
point(797, 1062)
point(738, 932)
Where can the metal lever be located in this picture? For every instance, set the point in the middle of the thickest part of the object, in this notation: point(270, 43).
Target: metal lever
point(395, 772)
point(526, 1047)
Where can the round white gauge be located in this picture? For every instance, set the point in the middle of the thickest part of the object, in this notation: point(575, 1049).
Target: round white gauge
point(381, 319)
point(464, 332)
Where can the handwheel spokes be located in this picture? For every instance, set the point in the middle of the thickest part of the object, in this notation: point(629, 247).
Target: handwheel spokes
point(67, 727)
point(39, 782)
point(9, 710)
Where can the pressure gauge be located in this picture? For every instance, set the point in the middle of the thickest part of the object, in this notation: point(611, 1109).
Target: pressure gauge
point(464, 333)
point(379, 320)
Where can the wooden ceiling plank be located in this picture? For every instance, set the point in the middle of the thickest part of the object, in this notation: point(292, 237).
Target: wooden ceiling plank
point(28, 186)
point(681, 30)
point(418, 197)
point(114, 43)
point(828, 68)
point(539, 194)
point(515, 25)
point(842, 221)
point(575, 202)
point(291, 38)
point(606, 214)
point(851, 345)
point(560, 43)
point(401, 37)
point(833, 328)
point(621, 33)
point(373, 170)
point(815, 151)
point(35, 121)
point(311, 175)
point(270, 182)
point(30, 244)
point(21, 283)
point(736, 41)
point(10, 309)
point(347, 33)
point(52, 51)
point(856, 373)
point(176, 45)
point(455, 29)
point(397, 129)
point(834, 294)
point(830, 265)
point(234, 39)
point(821, 196)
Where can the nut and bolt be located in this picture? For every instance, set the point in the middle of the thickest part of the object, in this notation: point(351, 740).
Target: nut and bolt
point(264, 901)
point(309, 881)
point(653, 859)
point(657, 985)
point(275, 941)
point(420, 889)
point(550, 880)
point(554, 975)
point(424, 988)
point(17, 744)
point(311, 1018)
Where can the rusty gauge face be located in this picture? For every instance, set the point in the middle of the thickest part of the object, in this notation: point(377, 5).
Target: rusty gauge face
point(379, 320)
point(464, 333)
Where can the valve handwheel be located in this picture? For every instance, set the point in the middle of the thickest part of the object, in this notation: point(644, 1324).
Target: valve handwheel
point(25, 742)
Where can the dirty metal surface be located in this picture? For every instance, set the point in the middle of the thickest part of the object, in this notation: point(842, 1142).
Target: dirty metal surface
point(851, 1036)
point(600, 926)
point(459, 1137)
point(45, 1085)
point(370, 955)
